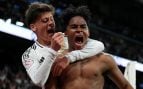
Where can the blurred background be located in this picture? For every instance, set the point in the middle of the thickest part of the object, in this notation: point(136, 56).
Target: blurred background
point(117, 23)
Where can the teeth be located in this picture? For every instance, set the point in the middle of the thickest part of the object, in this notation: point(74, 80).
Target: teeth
point(79, 39)
point(79, 42)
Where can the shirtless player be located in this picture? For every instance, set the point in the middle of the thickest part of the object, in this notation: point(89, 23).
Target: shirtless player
point(88, 73)
point(39, 57)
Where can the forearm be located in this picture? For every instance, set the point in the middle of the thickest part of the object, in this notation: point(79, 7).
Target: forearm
point(39, 73)
point(92, 48)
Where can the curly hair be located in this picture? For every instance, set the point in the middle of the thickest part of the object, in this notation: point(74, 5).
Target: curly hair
point(72, 11)
point(35, 10)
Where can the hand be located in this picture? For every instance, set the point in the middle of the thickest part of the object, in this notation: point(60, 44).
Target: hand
point(57, 41)
point(59, 65)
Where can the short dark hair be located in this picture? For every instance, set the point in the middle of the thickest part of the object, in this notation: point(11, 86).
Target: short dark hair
point(72, 11)
point(34, 11)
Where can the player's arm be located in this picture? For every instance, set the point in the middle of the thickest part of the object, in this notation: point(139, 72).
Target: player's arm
point(38, 73)
point(92, 48)
point(115, 74)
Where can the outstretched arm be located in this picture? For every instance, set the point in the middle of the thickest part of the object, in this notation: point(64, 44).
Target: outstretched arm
point(92, 48)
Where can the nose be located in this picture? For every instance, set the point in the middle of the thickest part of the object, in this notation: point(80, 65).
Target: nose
point(51, 23)
point(79, 29)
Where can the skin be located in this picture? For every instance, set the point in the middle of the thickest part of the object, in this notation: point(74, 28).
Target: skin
point(77, 28)
point(89, 73)
point(44, 27)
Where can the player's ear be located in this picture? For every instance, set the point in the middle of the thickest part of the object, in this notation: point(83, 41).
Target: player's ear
point(33, 27)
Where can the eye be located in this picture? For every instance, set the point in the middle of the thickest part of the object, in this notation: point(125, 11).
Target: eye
point(83, 26)
point(73, 27)
point(45, 20)
point(51, 18)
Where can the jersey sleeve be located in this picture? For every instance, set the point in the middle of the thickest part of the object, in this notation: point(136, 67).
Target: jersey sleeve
point(38, 66)
point(92, 48)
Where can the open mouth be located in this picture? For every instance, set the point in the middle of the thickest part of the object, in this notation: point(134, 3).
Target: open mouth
point(51, 32)
point(79, 40)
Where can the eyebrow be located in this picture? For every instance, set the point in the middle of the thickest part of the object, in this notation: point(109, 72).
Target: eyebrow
point(47, 17)
point(77, 25)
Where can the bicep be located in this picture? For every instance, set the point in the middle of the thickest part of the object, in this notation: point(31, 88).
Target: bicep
point(117, 77)
point(115, 74)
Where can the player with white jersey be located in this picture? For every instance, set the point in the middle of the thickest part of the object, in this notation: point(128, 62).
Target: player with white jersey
point(38, 59)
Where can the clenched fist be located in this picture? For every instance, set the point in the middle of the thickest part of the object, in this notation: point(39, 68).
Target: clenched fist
point(57, 41)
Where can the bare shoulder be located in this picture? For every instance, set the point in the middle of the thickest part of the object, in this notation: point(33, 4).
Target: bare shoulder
point(108, 59)
point(105, 56)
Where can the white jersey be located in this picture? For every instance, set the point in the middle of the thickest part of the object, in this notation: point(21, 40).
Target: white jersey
point(38, 59)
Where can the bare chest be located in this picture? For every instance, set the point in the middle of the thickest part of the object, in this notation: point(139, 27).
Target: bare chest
point(86, 74)
point(88, 69)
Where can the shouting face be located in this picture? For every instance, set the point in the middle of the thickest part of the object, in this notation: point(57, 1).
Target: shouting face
point(44, 27)
point(77, 32)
